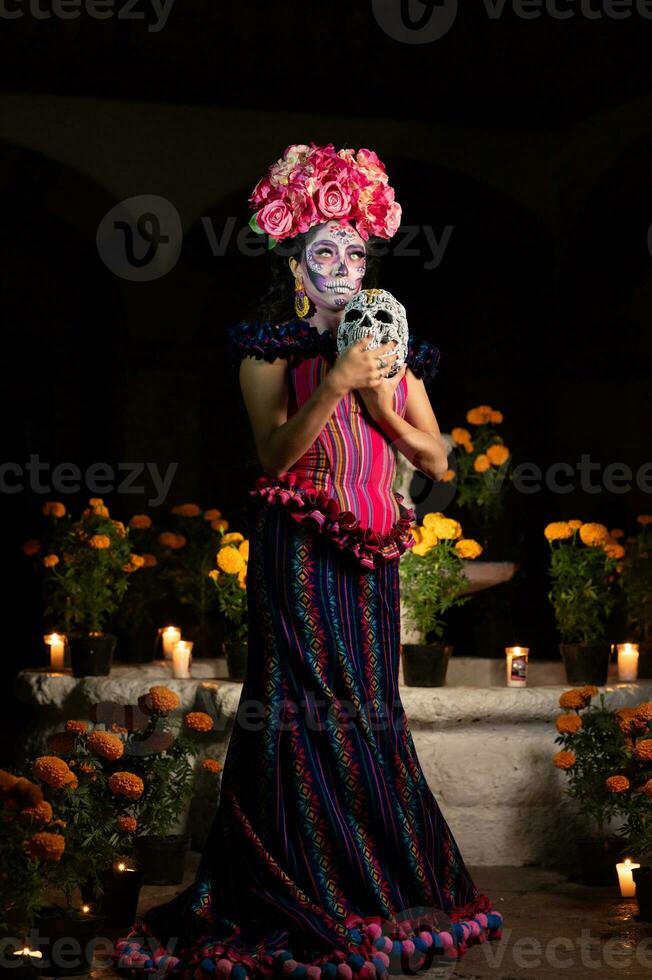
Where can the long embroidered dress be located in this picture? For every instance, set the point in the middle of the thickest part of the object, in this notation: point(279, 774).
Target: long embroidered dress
point(328, 856)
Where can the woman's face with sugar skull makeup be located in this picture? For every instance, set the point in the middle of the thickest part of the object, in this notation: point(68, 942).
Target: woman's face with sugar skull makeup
point(333, 264)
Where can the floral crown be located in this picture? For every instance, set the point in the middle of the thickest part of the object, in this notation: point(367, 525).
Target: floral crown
point(313, 184)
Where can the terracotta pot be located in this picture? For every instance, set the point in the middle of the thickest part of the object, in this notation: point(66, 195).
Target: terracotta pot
point(91, 656)
point(586, 663)
point(425, 664)
point(236, 659)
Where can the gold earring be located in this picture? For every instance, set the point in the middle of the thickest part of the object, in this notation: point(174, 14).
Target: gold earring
point(301, 299)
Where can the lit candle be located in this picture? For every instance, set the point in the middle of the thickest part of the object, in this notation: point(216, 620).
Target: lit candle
point(121, 866)
point(626, 879)
point(181, 658)
point(85, 909)
point(36, 954)
point(516, 664)
point(57, 646)
point(627, 661)
point(171, 635)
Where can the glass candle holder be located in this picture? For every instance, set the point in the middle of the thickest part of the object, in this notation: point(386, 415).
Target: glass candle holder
point(182, 658)
point(516, 666)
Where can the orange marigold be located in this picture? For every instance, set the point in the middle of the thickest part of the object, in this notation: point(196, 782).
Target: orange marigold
point(614, 550)
point(212, 765)
point(481, 463)
point(568, 724)
point(594, 535)
point(558, 531)
point(616, 533)
point(198, 721)
point(53, 771)
point(220, 524)
point(468, 548)
point(564, 760)
point(61, 743)
point(643, 750)
point(149, 561)
point(140, 521)
point(129, 825)
point(45, 846)
point(39, 813)
point(644, 711)
point(212, 515)
point(32, 547)
point(480, 415)
point(78, 727)
point(496, 417)
point(50, 561)
point(644, 519)
point(589, 691)
point(23, 793)
point(572, 699)
point(7, 781)
point(53, 508)
point(647, 787)
point(448, 476)
point(616, 784)
point(100, 541)
point(126, 784)
point(233, 537)
point(163, 699)
point(187, 510)
point(498, 454)
point(104, 745)
point(171, 540)
point(460, 435)
point(574, 524)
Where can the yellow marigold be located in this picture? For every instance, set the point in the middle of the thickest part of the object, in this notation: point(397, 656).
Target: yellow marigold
point(76, 726)
point(53, 771)
point(233, 537)
point(140, 522)
point(572, 699)
point(163, 699)
point(616, 784)
point(498, 454)
point(643, 750)
point(104, 745)
point(230, 560)
point(441, 527)
point(468, 548)
point(594, 535)
point(220, 524)
point(187, 510)
point(213, 514)
point(574, 525)
point(448, 476)
point(460, 435)
point(212, 765)
point(481, 463)
point(53, 508)
point(564, 760)
point(644, 518)
point(243, 548)
point(50, 561)
point(421, 549)
point(198, 721)
point(558, 531)
point(149, 560)
point(643, 712)
point(568, 724)
point(126, 784)
point(129, 825)
point(614, 550)
point(45, 846)
point(32, 547)
point(496, 417)
point(40, 813)
point(242, 579)
point(616, 533)
point(480, 415)
point(100, 541)
point(61, 742)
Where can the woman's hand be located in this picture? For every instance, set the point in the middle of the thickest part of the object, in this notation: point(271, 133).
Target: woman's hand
point(379, 399)
point(357, 367)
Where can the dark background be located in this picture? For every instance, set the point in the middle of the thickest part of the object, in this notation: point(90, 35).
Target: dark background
point(531, 138)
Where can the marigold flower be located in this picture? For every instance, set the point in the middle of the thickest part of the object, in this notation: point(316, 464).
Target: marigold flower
point(162, 699)
point(243, 548)
point(460, 435)
point(616, 533)
point(214, 574)
point(53, 508)
point(149, 560)
point(100, 511)
point(441, 527)
point(50, 561)
point(32, 547)
point(40, 813)
point(129, 825)
point(647, 787)
point(242, 579)
point(625, 717)
point(229, 560)
point(558, 531)
point(187, 510)
point(480, 415)
point(212, 765)
point(100, 541)
point(212, 515)
point(126, 784)
point(45, 846)
point(7, 781)
point(422, 548)
point(643, 712)
point(140, 521)
point(614, 550)
point(171, 540)
point(594, 535)
point(643, 750)
point(23, 793)
point(96, 502)
point(233, 537)
point(468, 446)
point(568, 724)
point(61, 743)
point(644, 519)
point(120, 528)
point(198, 721)
point(220, 524)
point(481, 463)
point(53, 771)
point(564, 760)
point(574, 525)
point(468, 548)
point(498, 454)
point(78, 727)
point(589, 691)
point(574, 699)
point(135, 562)
point(105, 745)
point(616, 784)
point(448, 476)
point(496, 417)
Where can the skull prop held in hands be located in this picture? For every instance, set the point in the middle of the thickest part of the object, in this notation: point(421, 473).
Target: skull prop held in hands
point(375, 312)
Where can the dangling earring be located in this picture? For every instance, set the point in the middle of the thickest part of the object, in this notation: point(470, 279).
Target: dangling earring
point(301, 299)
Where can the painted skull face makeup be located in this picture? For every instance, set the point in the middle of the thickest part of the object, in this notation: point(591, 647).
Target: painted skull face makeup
point(335, 262)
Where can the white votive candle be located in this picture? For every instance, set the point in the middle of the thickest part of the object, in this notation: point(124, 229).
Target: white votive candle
point(56, 642)
point(170, 636)
point(625, 878)
point(516, 666)
point(181, 658)
point(627, 661)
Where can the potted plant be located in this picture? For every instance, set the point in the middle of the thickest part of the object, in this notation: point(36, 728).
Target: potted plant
point(230, 579)
point(187, 555)
point(432, 580)
point(636, 585)
point(136, 619)
point(87, 564)
point(583, 566)
point(607, 755)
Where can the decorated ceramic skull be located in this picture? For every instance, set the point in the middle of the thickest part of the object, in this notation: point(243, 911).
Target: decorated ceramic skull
point(375, 312)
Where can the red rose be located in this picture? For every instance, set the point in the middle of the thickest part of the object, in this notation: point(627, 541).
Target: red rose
point(333, 200)
point(275, 219)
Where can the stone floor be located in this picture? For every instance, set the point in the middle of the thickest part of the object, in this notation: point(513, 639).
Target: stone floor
point(553, 928)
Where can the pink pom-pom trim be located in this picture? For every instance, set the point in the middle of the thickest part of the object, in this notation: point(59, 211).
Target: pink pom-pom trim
point(344, 971)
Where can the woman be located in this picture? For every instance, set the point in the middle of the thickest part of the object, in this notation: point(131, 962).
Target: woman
point(328, 856)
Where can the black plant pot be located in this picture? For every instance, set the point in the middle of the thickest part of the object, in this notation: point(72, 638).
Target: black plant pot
point(73, 956)
point(597, 858)
point(161, 859)
point(236, 659)
point(137, 647)
point(425, 664)
point(586, 663)
point(643, 880)
point(207, 639)
point(19, 967)
point(645, 660)
point(119, 899)
point(91, 656)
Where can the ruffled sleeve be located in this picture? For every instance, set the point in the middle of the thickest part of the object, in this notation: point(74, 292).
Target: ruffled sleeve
point(422, 358)
point(268, 341)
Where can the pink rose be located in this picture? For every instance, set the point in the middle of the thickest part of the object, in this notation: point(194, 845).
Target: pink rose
point(261, 191)
point(275, 219)
point(393, 219)
point(333, 200)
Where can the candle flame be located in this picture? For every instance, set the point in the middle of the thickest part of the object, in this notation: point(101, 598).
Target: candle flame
point(36, 953)
point(85, 908)
point(122, 866)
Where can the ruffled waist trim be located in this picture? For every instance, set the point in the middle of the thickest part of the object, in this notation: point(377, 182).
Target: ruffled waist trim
point(307, 504)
